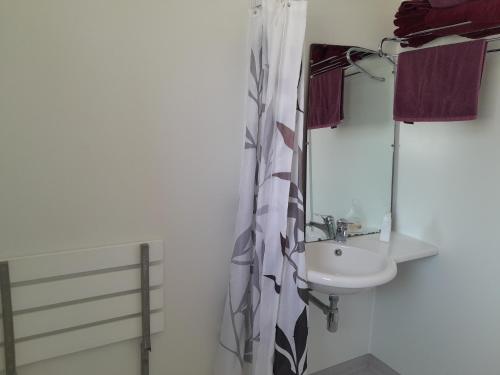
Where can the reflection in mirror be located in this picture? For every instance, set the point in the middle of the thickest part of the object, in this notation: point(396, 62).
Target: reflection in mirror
point(350, 147)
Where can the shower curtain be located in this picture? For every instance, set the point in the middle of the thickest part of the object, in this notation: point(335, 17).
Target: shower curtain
point(265, 322)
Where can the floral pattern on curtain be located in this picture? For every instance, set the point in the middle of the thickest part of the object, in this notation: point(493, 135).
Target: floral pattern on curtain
point(265, 323)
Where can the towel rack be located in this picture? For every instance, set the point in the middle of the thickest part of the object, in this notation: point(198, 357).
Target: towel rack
point(447, 27)
point(390, 57)
point(404, 40)
point(346, 61)
point(349, 53)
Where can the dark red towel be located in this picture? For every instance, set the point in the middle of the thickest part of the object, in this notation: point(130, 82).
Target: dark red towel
point(483, 34)
point(446, 3)
point(439, 83)
point(420, 15)
point(326, 100)
point(486, 12)
point(448, 16)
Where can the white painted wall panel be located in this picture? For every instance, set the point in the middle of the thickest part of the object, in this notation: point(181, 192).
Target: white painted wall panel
point(123, 120)
point(440, 315)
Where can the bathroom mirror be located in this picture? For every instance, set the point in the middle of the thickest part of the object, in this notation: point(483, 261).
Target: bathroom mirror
point(350, 167)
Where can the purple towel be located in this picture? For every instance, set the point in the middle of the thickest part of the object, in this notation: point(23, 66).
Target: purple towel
point(439, 83)
point(425, 15)
point(326, 100)
point(446, 3)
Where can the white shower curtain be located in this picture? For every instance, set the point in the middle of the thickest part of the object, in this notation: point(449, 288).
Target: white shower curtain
point(265, 323)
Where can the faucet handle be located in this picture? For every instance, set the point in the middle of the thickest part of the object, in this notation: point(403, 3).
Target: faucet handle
point(343, 222)
point(327, 218)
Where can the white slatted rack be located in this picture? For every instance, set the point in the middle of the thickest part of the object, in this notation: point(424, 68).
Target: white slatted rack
point(71, 301)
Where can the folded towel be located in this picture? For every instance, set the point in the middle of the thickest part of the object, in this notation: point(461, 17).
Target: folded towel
point(420, 15)
point(406, 21)
point(326, 100)
point(484, 13)
point(322, 51)
point(446, 3)
point(411, 6)
point(440, 83)
point(448, 16)
point(483, 34)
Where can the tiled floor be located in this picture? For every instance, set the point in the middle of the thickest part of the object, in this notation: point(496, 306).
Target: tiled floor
point(367, 372)
point(364, 365)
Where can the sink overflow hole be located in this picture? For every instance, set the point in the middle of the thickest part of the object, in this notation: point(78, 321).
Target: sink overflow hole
point(338, 252)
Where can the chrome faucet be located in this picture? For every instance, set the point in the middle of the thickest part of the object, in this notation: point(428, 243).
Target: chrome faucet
point(338, 232)
point(328, 226)
point(342, 231)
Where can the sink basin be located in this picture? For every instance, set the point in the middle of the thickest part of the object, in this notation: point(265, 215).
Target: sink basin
point(338, 269)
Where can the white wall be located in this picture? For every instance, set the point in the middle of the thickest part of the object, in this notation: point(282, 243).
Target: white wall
point(440, 316)
point(362, 23)
point(121, 120)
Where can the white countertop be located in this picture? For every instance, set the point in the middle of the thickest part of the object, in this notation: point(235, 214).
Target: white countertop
point(401, 248)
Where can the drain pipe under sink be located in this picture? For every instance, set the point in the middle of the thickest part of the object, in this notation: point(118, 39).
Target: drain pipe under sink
point(331, 311)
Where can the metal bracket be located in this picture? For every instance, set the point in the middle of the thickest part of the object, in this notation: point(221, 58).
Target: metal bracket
point(385, 55)
point(8, 320)
point(360, 68)
point(145, 310)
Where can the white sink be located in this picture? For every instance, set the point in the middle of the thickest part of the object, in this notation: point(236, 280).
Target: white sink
point(335, 268)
